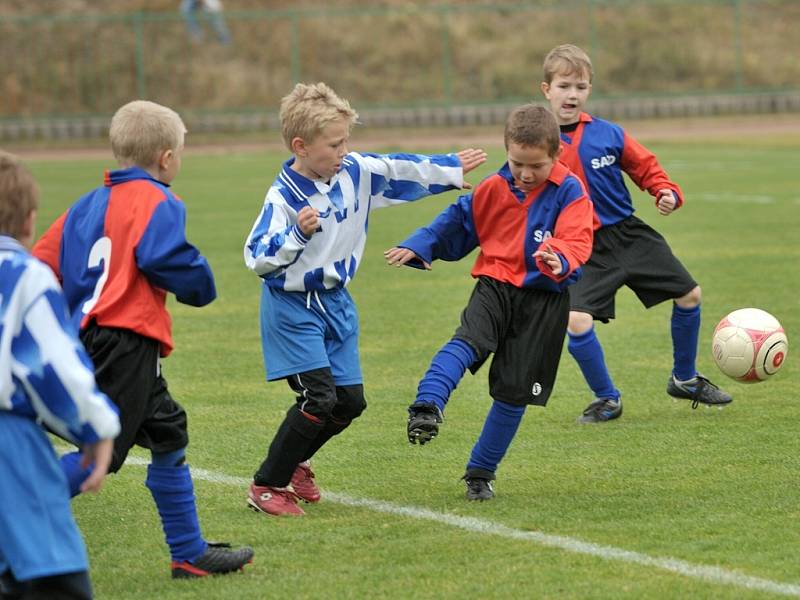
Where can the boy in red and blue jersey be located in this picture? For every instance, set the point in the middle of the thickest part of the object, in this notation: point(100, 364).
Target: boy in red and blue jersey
point(626, 250)
point(532, 221)
point(118, 251)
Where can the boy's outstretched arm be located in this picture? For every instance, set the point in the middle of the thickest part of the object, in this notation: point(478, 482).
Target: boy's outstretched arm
point(451, 236)
point(399, 256)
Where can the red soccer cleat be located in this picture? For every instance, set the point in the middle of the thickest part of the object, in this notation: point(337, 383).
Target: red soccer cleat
point(273, 501)
point(303, 483)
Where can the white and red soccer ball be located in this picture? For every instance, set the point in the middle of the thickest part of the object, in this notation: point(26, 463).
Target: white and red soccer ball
point(749, 345)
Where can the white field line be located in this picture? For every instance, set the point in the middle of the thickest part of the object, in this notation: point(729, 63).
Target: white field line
point(673, 565)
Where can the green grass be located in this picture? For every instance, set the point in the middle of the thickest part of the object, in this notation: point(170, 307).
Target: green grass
point(713, 488)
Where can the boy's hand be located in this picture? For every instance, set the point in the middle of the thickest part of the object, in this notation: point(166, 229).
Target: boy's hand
point(470, 158)
point(98, 453)
point(400, 256)
point(666, 202)
point(308, 220)
point(550, 258)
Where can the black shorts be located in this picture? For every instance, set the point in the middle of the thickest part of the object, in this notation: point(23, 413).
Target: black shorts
point(634, 254)
point(127, 370)
point(525, 330)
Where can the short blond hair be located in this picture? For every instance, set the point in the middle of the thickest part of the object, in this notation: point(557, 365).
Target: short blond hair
point(19, 195)
point(141, 130)
point(309, 108)
point(567, 59)
point(533, 125)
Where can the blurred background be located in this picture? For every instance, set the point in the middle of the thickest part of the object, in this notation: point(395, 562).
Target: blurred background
point(66, 65)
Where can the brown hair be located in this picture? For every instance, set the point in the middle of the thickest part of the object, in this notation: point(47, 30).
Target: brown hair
point(141, 130)
point(19, 195)
point(567, 59)
point(309, 108)
point(533, 125)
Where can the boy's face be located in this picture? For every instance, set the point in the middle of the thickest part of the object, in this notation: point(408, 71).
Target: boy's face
point(567, 94)
point(530, 165)
point(322, 157)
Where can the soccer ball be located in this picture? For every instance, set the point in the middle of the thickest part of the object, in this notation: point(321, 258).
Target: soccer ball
point(749, 345)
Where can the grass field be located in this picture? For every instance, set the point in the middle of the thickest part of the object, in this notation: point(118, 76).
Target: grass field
point(667, 502)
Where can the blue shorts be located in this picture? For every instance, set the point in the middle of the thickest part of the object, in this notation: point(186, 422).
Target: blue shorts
point(304, 331)
point(38, 536)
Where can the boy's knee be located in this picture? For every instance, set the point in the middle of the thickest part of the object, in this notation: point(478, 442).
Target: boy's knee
point(350, 402)
point(306, 424)
point(690, 300)
point(579, 322)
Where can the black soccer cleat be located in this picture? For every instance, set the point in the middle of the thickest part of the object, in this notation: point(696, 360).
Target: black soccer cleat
point(601, 410)
point(423, 422)
point(699, 390)
point(479, 489)
point(218, 559)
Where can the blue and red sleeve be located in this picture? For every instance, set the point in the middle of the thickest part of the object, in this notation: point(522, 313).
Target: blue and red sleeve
point(644, 170)
point(48, 247)
point(451, 235)
point(168, 260)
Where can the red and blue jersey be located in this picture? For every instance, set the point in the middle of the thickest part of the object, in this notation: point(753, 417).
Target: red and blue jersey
point(118, 251)
point(509, 226)
point(598, 152)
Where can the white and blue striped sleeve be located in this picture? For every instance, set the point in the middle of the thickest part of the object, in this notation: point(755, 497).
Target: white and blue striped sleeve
point(396, 178)
point(275, 241)
point(53, 366)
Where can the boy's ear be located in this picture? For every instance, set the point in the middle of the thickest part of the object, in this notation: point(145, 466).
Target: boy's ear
point(28, 229)
point(299, 147)
point(545, 87)
point(165, 158)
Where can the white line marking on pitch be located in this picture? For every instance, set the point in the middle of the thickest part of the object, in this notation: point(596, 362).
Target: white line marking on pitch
point(673, 565)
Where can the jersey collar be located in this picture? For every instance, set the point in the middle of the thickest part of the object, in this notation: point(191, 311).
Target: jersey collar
point(9, 243)
point(300, 185)
point(118, 176)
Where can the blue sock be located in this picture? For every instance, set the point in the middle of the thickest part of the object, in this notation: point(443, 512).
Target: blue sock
point(446, 370)
point(173, 492)
point(588, 353)
point(499, 429)
point(76, 475)
point(685, 332)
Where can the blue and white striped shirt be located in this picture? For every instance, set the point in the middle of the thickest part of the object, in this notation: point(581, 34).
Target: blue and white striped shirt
point(45, 373)
point(276, 248)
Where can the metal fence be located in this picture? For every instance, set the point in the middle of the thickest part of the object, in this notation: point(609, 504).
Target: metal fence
point(63, 75)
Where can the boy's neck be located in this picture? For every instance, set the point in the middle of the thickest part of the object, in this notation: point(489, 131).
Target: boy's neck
point(152, 170)
point(300, 167)
point(569, 127)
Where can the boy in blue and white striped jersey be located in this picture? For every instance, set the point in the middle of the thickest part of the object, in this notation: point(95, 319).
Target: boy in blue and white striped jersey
point(45, 377)
point(306, 245)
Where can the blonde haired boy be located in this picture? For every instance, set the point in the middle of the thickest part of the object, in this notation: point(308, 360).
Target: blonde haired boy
point(306, 245)
point(118, 251)
point(45, 377)
point(626, 250)
point(532, 221)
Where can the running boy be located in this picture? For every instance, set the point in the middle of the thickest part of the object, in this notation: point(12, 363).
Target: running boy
point(118, 251)
point(532, 221)
point(626, 250)
point(45, 376)
point(306, 245)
